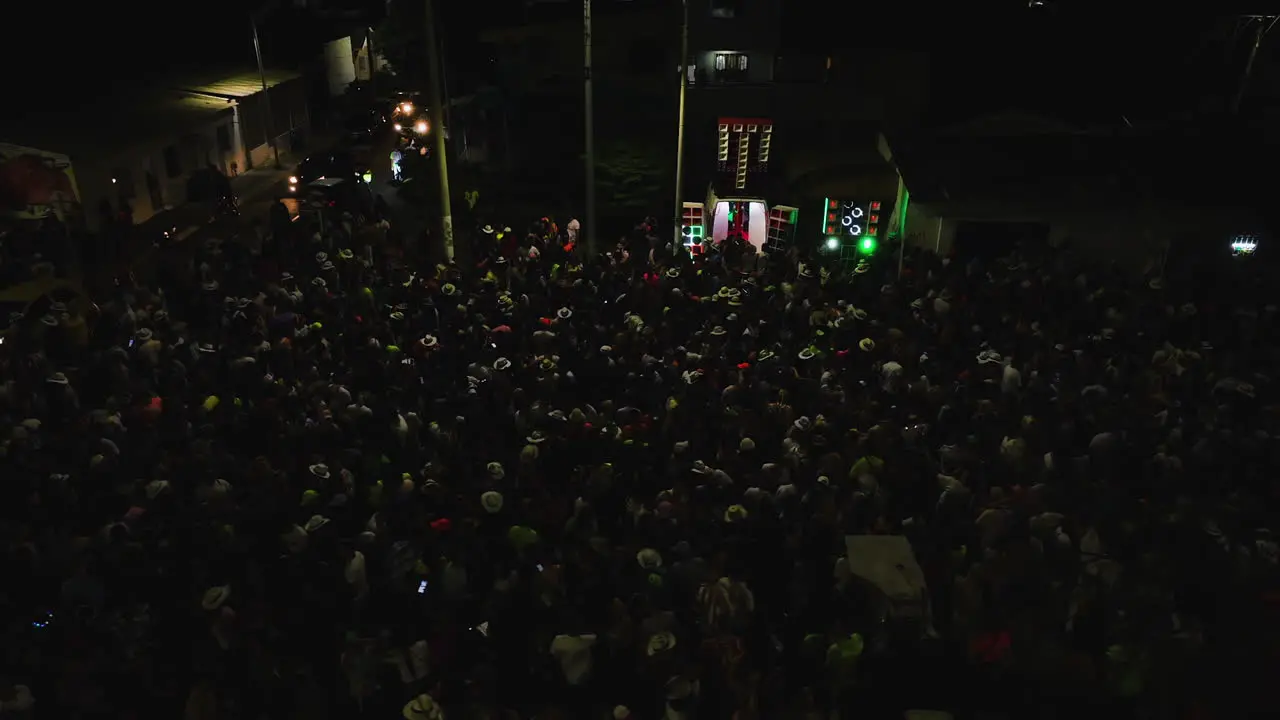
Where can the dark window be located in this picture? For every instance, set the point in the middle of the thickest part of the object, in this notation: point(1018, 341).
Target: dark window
point(172, 163)
point(224, 138)
point(727, 9)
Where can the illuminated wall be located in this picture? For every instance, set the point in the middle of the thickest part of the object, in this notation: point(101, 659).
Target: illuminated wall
point(339, 65)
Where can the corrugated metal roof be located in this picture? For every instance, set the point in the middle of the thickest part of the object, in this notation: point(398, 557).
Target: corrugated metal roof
point(242, 84)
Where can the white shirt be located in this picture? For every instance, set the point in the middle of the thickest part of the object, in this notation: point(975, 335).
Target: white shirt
point(574, 654)
point(1010, 380)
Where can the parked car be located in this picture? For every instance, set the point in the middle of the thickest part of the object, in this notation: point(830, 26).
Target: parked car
point(340, 162)
point(331, 197)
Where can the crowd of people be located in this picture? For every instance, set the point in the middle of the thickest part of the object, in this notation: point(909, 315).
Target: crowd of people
point(328, 484)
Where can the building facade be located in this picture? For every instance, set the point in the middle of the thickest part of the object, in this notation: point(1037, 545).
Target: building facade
point(826, 106)
point(139, 158)
point(1021, 180)
point(254, 127)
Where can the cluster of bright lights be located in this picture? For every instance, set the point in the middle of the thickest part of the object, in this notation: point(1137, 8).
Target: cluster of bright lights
point(692, 227)
point(293, 183)
point(406, 108)
point(851, 219)
point(1244, 245)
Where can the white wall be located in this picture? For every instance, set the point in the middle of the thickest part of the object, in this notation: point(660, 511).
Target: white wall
point(340, 66)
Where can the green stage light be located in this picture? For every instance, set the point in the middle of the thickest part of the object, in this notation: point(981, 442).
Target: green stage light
point(867, 245)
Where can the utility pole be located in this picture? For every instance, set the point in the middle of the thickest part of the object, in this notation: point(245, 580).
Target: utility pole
point(684, 88)
point(266, 96)
point(591, 135)
point(437, 121)
point(444, 84)
point(1262, 25)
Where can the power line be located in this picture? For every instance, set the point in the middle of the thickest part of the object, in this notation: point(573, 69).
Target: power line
point(1261, 24)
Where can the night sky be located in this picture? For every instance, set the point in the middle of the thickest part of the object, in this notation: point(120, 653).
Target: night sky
point(1068, 59)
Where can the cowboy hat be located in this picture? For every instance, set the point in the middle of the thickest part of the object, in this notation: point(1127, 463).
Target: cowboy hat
point(501, 364)
point(866, 344)
point(660, 642)
point(487, 229)
point(564, 313)
point(718, 330)
point(319, 282)
point(765, 355)
point(735, 513)
point(807, 354)
point(673, 272)
point(397, 316)
point(326, 266)
point(491, 501)
point(321, 257)
point(449, 289)
point(495, 470)
point(215, 597)
point(422, 707)
point(315, 522)
point(206, 348)
point(320, 470)
point(143, 335)
point(346, 254)
point(429, 341)
point(536, 437)
point(286, 276)
point(649, 559)
point(861, 268)
point(989, 357)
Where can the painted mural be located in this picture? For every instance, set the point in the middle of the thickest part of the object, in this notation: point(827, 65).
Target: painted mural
point(35, 184)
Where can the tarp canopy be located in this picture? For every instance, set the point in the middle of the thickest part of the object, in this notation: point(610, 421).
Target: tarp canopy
point(887, 562)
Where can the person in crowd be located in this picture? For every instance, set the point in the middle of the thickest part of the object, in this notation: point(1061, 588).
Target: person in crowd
point(642, 485)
